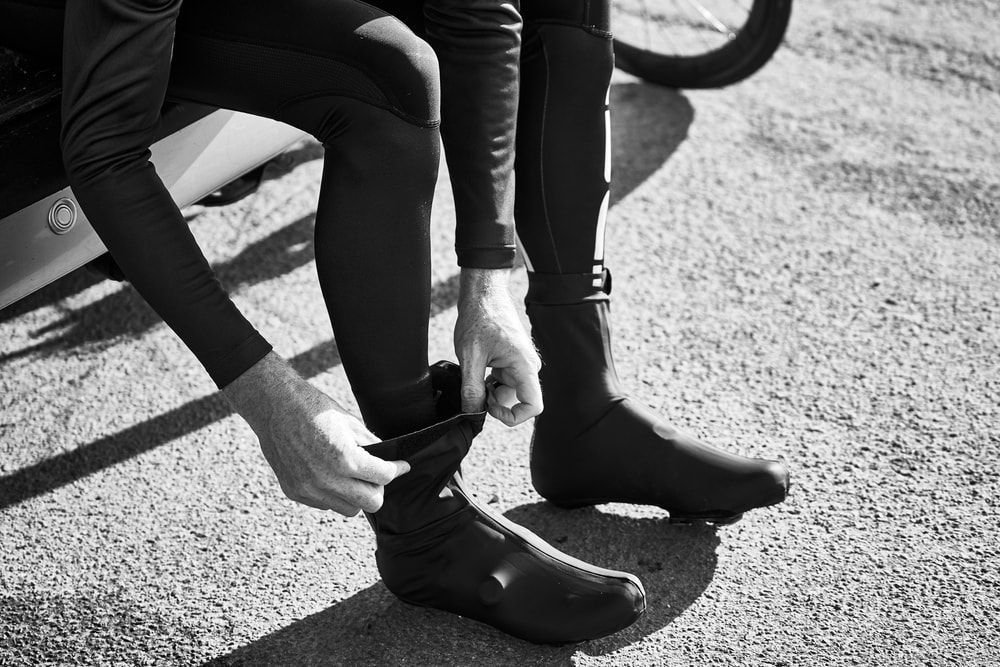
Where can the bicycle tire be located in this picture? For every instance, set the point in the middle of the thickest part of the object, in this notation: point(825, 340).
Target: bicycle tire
point(749, 49)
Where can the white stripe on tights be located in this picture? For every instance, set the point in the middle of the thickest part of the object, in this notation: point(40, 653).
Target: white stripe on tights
point(607, 146)
point(602, 220)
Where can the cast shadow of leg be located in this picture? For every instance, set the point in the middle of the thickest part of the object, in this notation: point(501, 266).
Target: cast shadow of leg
point(675, 564)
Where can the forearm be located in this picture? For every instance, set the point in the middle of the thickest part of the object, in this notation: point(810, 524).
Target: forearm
point(150, 240)
point(117, 64)
point(478, 47)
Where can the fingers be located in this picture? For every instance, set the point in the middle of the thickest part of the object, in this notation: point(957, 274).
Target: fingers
point(522, 412)
point(529, 392)
point(344, 495)
point(499, 411)
point(358, 483)
point(473, 384)
point(518, 397)
point(340, 507)
point(369, 497)
point(320, 500)
point(315, 449)
point(363, 486)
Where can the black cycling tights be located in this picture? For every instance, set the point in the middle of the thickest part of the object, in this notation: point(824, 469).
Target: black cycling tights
point(309, 63)
point(563, 162)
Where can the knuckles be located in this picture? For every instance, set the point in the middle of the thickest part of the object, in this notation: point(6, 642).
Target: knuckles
point(532, 360)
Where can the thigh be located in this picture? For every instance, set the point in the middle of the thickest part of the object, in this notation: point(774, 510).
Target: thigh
point(265, 57)
point(233, 53)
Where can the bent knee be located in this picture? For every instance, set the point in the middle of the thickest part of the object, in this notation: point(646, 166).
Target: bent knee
point(405, 69)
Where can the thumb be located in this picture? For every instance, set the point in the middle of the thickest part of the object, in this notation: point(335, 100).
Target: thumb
point(402, 467)
point(473, 384)
point(375, 470)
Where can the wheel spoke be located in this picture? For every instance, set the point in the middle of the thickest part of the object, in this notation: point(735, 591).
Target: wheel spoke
point(713, 20)
point(647, 23)
point(666, 33)
point(679, 28)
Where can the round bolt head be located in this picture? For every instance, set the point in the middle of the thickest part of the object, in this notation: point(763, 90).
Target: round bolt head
point(62, 215)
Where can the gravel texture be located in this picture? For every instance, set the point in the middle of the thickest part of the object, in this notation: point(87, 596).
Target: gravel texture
point(806, 266)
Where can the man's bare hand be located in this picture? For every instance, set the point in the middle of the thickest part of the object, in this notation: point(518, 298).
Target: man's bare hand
point(312, 443)
point(490, 334)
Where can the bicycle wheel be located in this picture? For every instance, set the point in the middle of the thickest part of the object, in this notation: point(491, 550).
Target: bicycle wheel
point(697, 43)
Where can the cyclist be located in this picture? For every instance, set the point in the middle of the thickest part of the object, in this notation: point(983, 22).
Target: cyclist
point(368, 88)
point(348, 73)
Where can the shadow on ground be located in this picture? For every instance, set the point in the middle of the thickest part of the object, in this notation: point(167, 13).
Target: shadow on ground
point(648, 123)
point(675, 564)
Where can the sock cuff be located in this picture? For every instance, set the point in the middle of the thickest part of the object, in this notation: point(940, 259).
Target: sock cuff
point(558, 289)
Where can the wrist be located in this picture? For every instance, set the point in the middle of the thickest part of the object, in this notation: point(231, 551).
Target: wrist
point(480, 284)
point(490, 257)
point(263, 388)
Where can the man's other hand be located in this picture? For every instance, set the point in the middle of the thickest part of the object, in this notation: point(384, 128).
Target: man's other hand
point(489, 334)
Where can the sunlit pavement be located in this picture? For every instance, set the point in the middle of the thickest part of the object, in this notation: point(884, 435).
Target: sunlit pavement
point(806, 267)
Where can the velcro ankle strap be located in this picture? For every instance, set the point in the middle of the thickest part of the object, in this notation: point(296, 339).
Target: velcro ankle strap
point(558, 289)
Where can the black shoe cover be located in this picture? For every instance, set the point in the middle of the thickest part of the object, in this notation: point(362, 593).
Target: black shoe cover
point(631, 456)
point(593, 445)
point(437, 547)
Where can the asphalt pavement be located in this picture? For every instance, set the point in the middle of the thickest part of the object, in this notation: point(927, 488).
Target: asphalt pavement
point(807, 267)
